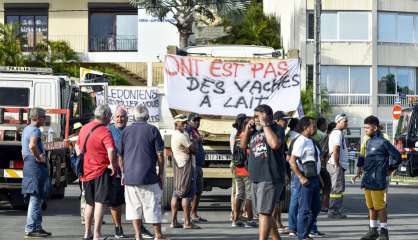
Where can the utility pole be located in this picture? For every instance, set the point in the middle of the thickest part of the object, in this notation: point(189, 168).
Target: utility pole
point(317, 66)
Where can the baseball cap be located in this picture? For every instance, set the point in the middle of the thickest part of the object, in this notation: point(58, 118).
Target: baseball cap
point(340, 117)
point(77, 125)
point(193, 116)
point(180, 118)
point(279, 115)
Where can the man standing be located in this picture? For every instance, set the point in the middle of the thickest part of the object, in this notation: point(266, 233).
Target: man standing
point(96, 143)
point(336, 166)
point(141, 153)
point(193, 131)
point(184, 180)
point(306, 165)
point(35, 183)
point(380, 160)
point(266, 167)
point(117, 198)
point(282, 120)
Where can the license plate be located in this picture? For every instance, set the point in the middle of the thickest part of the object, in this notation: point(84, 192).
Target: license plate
point(403, 168)
point(218, 157)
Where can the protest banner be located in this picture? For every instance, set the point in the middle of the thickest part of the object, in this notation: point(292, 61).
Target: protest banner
point(129, 97)
point(227, 88)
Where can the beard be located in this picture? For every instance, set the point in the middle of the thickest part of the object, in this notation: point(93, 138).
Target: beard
point(258, 127)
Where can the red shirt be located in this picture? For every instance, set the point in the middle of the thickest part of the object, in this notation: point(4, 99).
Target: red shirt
point(96, 160)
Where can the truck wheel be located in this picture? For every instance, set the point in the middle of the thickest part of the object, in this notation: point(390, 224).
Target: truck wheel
point(167, 192)
point(286, 202)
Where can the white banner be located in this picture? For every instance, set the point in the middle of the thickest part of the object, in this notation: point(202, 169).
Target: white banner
point(216, 87)
point(129, 97)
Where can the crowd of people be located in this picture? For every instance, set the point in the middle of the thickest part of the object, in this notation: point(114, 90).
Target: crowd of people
point(124, 165)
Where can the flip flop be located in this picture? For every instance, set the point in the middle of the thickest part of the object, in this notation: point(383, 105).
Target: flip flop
point(177, 225)
point(193, 226)
point(199, 219)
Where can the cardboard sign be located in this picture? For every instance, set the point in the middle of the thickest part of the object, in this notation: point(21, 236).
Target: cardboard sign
point(217, 87)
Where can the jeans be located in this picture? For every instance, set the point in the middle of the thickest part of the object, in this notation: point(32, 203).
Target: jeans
point(34, 218)
point(309, 207)
point(294, 205)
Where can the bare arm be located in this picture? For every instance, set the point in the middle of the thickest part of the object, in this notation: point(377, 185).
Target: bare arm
point(245, 138)
point(161, 167)
point(112, 158)
point(34, 149)
point(271, 137)
point(336, 154)
point(303, 180)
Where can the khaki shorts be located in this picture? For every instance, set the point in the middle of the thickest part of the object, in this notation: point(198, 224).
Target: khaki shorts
point(243, 188)
point(375, 199)
point(144, 200)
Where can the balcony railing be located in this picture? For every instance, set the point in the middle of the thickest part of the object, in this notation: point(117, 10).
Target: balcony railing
point(113, 43)
point(389, 99)
point(348, 99)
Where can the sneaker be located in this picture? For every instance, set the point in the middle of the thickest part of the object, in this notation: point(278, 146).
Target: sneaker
point(237, 224)
point(37, 234)
point(292, 234)
point(145, 233)
point(384, 234)
point(372, 234)
point(119, 232)
point(251, 224)
point(317, 234)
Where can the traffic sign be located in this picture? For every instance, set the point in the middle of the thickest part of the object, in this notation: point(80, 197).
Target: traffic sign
point(396, 111)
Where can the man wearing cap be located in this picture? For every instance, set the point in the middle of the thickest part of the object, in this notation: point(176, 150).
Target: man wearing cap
point(184, 150)
point(336, 166)
point(193, 131)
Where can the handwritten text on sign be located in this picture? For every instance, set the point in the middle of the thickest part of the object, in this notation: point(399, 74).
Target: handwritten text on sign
point(129, 97)
point(216, 87)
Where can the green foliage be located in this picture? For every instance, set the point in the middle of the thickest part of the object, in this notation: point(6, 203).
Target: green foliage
point(308, 103)
point(49, 53)
point(252, 28)
point(10, 46)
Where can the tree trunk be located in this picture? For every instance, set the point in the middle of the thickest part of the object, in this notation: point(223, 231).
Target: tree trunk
point(183, 39)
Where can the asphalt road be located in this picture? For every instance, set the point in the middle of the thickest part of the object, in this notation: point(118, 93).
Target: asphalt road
point(62, 218)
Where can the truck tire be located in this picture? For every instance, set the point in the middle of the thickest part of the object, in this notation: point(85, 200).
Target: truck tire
point(167, 192)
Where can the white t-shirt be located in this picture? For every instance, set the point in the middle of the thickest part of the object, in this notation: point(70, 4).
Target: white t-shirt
point(180, 141)
point(336, 138)
point(304, 149)
point(232, 138)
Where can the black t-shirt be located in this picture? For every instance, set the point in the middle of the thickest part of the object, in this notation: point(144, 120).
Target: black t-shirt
point(265, 164)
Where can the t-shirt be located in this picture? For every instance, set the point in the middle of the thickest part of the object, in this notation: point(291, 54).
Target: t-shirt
point(265, 164)
point(29, 132)
point(140, 144)
point(336, 138)
point(232, 137)
point(200, 151)
point(304, 149)
point(117, 136)
point(96, 160)
point(180, 141)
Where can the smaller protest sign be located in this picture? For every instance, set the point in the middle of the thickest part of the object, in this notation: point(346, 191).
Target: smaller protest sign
point(130, 97)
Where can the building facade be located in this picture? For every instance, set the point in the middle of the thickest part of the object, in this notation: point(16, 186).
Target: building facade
point(368, 52)
point(100, 31)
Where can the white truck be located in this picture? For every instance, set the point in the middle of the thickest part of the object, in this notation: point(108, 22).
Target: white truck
point(22, 88)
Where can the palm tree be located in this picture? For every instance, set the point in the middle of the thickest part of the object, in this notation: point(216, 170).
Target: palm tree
point(11, 41)
point(186, 12)
point(252, 28)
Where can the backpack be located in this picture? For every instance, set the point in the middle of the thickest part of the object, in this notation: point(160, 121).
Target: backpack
point(77, 162)
point(239, 155)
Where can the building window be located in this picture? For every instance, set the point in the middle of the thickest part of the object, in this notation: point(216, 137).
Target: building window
point(345, 79)
point(399, 28)
point(113, 30)
point(341, 26)
point(32, 22)
point(395, 80)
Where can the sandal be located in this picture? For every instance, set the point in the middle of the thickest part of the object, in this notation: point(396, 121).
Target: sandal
point(177, 225)
point(283, 230)
point(192, 226)
point(199, 220)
